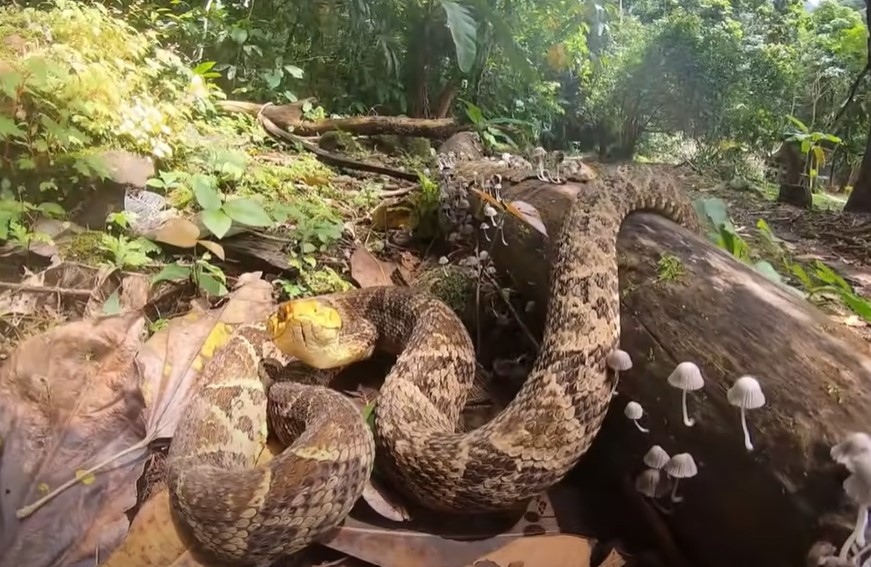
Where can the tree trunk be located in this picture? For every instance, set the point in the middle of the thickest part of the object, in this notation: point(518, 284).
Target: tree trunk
point(759, 508)
point(859, 200)
point(287, 117)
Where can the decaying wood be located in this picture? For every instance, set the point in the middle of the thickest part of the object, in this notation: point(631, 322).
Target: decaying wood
point(289, 117)
point(760, 508)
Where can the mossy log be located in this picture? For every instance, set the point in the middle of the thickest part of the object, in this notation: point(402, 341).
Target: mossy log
point(761, 508)
point(289, 117)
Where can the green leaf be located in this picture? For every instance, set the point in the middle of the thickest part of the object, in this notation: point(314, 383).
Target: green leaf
point(206, 192)
point(294, 71)
point(52, 209)
point(476, 116)
point(112, 306)
point(172, 273)
point(829, 276)
point(248, 212)
point(211, 285)
point(239, 35)
point(798, 124)
point(217, 221)
point(9, 129)
point(464, 31)
point(369, 415)
point(155, 182)
point(858, 305)
point(203, 67)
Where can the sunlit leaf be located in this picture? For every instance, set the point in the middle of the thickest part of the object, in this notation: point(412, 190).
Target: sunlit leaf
point(463, 31)
point(217, 221)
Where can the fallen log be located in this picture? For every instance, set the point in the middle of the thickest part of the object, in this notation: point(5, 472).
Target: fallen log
point(289, 117)
point(761, 508)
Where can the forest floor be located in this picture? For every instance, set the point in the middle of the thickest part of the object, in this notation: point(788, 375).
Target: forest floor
point(51, 294)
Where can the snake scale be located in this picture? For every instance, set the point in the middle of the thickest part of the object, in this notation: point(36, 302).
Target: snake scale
point(528, 447)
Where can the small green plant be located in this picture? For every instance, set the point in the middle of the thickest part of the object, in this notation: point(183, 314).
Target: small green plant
point(490, 129)
point(201, 272)
point(425, 206)
point(669, 268)
point(126, 253)
point(17, 217)
point(816, 279)
point(219, 211)
point(815, 154)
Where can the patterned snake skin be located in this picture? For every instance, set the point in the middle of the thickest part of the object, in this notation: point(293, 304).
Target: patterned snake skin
point(252, 515)
point(537, 439)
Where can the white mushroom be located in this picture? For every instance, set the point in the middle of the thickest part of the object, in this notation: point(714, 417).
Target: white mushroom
point(688, 378)
point(634, 411)
point(746, 393)
point(858, 488)
point(680, 466)
point(656, 457)
point(647, 482)
point(618, 361)
point(855, 445)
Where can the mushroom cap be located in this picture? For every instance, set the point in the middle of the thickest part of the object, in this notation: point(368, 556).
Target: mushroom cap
point(656, 457)
point(681, 465)
point(854, 446)
point(686, 376)
point(538, 152)
point(618, 360)
point(858, 485)
point(647, 482)
point(746, 393)
point(633, 410)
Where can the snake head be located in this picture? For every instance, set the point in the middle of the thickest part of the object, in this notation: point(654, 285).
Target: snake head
point(310, 330)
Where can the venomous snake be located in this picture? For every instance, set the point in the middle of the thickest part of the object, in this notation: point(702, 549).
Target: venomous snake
point(528, 447)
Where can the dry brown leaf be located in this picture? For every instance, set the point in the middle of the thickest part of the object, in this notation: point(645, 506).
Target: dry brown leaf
point(530, 215)
point(69, 400)
point(213, 247)
point(178, 232)
point(369, 271)
point(458, 544)
point(381, 500)
point(565, 550)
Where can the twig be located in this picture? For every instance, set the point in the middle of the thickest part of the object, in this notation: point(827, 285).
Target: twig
point(31, 508)
point(513, 311)
point(43, 289)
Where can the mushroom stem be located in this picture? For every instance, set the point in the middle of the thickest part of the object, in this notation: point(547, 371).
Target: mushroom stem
point(641, 429)
point(616, 381)
point(857, 535)
point(747, 442)
point(686, 418)
point(674, 496)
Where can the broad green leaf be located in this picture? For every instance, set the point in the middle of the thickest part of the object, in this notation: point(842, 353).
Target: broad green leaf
point(819, 156)
point(829, 276)
point(294, 71)
point(805, 146)
point(464, 31)
point(172, 273)
point(9, 129)
point(52, 209)
point(217, 221)
point(476, 116)
point(858, 305)
point(211, 285)
point(203, 67)
point(832, 138)
point(155, 182)
point(247, 211)
point(239, 35)
point(112, 306)
point(206, 192)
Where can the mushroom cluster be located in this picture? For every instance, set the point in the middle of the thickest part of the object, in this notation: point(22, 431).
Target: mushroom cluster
point(650, 482)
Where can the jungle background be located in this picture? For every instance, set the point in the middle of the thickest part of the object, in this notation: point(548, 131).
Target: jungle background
point(132, 175)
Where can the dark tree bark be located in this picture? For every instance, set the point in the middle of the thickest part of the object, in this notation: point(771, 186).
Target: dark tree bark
point(859, 200)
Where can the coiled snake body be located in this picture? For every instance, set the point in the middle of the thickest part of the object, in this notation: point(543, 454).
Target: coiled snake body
point(528, 447)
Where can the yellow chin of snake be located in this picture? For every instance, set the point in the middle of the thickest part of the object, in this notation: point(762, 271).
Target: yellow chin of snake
point(311, 331)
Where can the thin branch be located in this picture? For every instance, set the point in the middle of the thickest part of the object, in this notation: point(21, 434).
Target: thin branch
point(42, 289)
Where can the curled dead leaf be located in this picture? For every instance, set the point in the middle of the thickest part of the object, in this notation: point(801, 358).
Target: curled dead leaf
point(392, 214)
point(178, 232)
point(381, 500)
point(528, 214)
point(213, 247)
